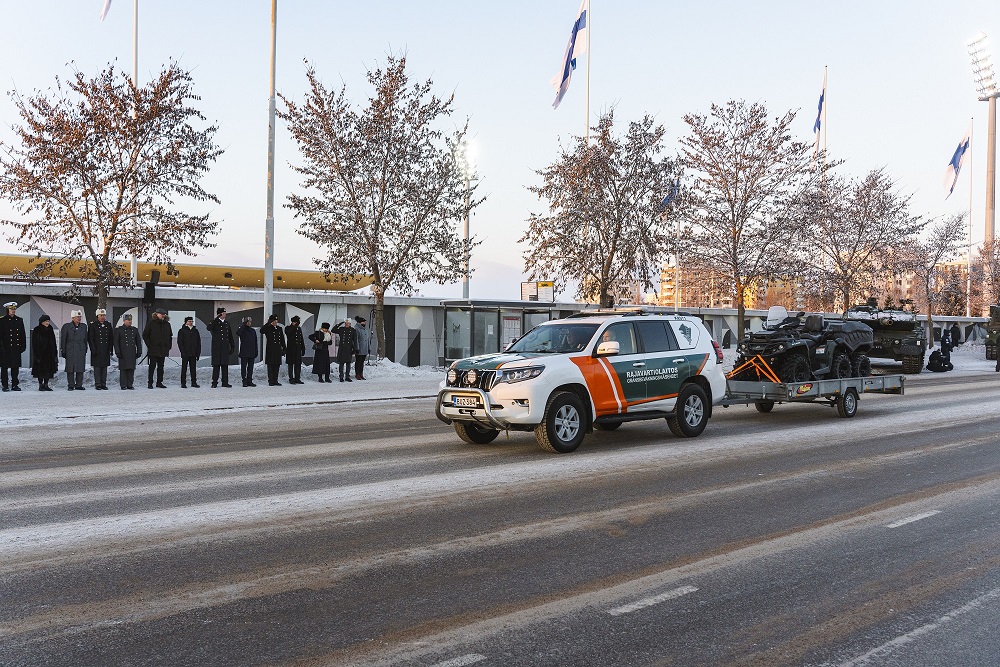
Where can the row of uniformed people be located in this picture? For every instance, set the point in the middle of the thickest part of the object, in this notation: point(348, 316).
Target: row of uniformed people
point(125, 342)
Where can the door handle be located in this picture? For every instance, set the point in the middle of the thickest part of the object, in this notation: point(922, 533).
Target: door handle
point(679, 360)
point(639, 364)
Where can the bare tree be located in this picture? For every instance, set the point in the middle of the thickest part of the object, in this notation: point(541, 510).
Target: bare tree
point(858, 225)
point(925, 258)
point(385, 185)
point(98, 169)
point(989, 260)
point(605, 227)
point(742, 206)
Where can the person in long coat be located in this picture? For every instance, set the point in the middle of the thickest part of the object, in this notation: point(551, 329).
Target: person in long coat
point(189, 345)
point(274, 349)
point(247, 336)
point(128, 349)
point(100, 339)
point(44, 353)
point(159, 338)
point(361, 353)
point(347, 343)
point(73, 348)
point(12, 345)
point(295, 349)
point(322, 340)
point(223, 345)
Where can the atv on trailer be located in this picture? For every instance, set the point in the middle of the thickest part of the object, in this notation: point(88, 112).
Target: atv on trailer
point(801, 348)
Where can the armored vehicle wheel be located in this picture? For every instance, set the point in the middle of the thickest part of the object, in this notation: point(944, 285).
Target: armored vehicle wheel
point(991, 352)
point(764, 406)
point(690, 413)
point(861, 366)
point(795, 369)
point(841, 367)
point(608, 426)
point(847, 403)
point(474, 434)
point(563, 426)
point(913, 364)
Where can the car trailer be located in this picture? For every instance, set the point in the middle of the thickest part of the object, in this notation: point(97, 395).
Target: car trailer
point(843, 393)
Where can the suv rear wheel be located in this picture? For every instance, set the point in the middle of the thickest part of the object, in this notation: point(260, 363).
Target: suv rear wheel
point(564, 425)
point(690, 413)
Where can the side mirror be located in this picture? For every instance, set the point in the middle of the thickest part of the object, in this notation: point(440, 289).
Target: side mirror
point(608, 348)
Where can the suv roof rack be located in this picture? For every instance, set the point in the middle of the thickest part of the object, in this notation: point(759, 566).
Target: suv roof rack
point(635, 310)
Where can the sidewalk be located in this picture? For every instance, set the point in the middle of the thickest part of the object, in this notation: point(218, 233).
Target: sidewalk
point(29, 407)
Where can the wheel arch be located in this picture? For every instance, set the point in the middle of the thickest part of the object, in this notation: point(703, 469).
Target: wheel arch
point(706, 386)
point(581, 391)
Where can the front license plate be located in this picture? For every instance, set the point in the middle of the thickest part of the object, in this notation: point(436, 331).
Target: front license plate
point(465, 401)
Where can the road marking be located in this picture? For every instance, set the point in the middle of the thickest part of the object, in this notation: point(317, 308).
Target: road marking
point(911, 519)
point(462, 660)
point(649, 602)
point(911, 636)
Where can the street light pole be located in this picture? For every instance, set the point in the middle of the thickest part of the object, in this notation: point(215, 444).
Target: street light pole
point(982, 71)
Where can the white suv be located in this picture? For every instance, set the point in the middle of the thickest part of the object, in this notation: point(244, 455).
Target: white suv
point(596, 369)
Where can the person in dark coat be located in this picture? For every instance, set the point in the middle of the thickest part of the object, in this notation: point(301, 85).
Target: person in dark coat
point(347, 343)
point(274, 349)
point(223, 345)
point(295, 349)
point(100, 339)
point(361, 353)
point(128, 349)
point(956, 334)
point(13, 342)
point(44, 353)
point(159, 338)
point(189, 345)
point(322, 340)
point(73, 348)
point(247, 336)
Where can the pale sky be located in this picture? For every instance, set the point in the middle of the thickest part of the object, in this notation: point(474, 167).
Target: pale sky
point(900, 89)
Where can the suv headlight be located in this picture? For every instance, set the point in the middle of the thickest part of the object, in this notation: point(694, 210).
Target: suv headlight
point(520, 374)
point(452, 376)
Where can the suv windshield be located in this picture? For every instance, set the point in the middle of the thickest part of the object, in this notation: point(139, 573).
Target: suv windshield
point(555, 338)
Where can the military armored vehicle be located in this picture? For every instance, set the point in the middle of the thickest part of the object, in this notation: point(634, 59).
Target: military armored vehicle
point(898, 334)
point(802, 347)
point(993, 333)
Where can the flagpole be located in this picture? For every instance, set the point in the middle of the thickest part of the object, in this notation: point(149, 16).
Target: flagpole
point(269, 223)
point(135, 83)
point(968, 264)
point(590, 34)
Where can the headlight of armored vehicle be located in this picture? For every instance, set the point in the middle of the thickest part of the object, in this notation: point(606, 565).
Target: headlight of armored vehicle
point(521, 374)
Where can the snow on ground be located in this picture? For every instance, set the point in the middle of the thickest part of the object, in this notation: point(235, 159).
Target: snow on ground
point(387, 380)
point(29, 407)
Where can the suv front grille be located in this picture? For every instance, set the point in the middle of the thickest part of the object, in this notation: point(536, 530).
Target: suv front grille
point(484, 380)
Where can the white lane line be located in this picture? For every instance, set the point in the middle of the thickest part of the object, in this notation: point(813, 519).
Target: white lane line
point(911, 519)
point(913, 635)
point(649, 602)
point(462, 660)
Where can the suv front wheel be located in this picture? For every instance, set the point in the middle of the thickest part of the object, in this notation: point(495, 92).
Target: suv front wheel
point(564, 424)
point(690, 413)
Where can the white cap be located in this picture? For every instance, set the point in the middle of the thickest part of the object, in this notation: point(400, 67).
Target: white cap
point(75, 313)
point(10, 304)
point(100, 311)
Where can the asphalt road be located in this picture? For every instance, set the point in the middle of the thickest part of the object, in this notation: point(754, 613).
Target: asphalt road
point(369, 534)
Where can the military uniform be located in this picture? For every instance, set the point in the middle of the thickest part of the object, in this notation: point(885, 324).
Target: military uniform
point(13, 342)
point(128, 349)
point(223, 345)
point(73, 348)
point(100, 338)
point(274, 349)
point(295, 349)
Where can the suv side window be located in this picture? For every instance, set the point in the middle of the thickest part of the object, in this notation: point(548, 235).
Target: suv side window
point(686, 333)
point(624, 334)
point(656, 336)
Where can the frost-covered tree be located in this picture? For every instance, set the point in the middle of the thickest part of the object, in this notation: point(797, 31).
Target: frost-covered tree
point(925, 257)
point(98, 171)
point(858, 225)
point(384, 185)
point(742, 208)
point(989, 261)
point(606, 220)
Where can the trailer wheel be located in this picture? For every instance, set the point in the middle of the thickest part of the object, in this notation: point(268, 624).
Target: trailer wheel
point(847, 403)
point(764, 406)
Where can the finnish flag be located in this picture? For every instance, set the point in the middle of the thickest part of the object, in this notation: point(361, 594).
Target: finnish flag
point(819, 116)
point(577, 47)
point(951, 173)
point(104, 10)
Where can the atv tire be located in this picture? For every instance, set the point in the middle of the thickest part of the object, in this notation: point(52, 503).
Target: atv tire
point(795, 369)
point(861, 366)
point(841, 367)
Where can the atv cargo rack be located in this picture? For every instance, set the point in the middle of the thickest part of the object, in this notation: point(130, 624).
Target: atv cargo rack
point(842, 393)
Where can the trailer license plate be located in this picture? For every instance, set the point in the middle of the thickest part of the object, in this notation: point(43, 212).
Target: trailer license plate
point(465, 401)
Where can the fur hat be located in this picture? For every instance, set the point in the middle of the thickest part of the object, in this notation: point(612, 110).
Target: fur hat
point(100, 311)
point(325, 325)
point(160, 311)
point(273, 318)
point(75, 313)
point(127, 316)
point(43, 318)
point(359, 319)
point(188, 319)
point(219, 311)
point(295, 318)
point(11, 304)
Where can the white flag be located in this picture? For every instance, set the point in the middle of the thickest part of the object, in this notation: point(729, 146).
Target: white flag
point(107, 6)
